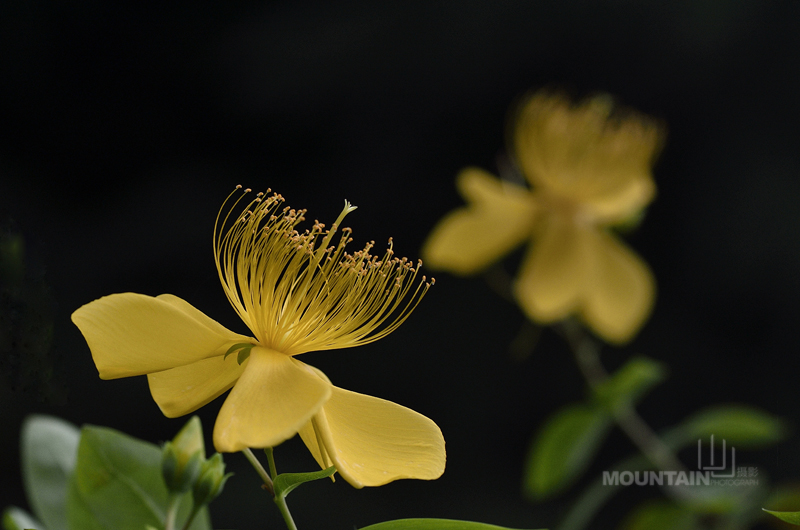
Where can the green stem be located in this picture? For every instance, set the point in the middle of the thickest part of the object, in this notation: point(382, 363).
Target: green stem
point(195, 510)
point(587, 355)
point(271, 459)
point(597, 494)
point(172, 512)
point(655, 452)
point(280, 500)
point(588, 504)
point(259, 469)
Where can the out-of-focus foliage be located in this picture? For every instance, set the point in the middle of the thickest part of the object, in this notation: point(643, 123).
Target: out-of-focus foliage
point(564, 447)
point(92, 478)
point(49, 450)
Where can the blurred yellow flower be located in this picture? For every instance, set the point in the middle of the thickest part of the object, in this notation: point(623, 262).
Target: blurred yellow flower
point(297, 293)
point(588, 169)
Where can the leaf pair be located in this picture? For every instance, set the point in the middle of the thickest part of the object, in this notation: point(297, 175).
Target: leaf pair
point(569, 440)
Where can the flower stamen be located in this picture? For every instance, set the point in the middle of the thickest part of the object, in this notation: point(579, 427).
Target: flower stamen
point(297, 293)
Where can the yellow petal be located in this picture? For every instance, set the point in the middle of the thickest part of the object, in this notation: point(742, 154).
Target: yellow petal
point(620, 293)
point(199, 316)
point(274, 397)
point(184, 389)
point(554, 273)
point(133, 334)
point(498, 217)
point(373, 441)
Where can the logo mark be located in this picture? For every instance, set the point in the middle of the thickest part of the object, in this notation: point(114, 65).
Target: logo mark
point(716, 470)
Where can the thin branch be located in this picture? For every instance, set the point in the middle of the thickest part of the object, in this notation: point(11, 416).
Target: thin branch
point(587, 355)
point(260, 470)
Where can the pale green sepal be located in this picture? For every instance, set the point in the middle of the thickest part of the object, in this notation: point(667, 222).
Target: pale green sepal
point(49, 448)
point(789, 517)
point(18, 519)
point(563, 448)
point(117, 485)
point(244, 353)
point(630, 383)
point(178, 477)
point(169, 465)
point(245, 348)
point(432, 524)
point(740, 425)
point(286, 482)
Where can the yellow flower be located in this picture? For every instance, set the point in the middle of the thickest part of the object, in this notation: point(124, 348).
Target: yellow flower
point(588, 169)
point(296, 292)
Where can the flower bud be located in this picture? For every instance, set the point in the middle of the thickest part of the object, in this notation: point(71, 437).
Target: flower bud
point(179, 477)
point(212, 479)
point(183, 457)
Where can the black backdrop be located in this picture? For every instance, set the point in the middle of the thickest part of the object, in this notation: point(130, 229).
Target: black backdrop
point(125, 126)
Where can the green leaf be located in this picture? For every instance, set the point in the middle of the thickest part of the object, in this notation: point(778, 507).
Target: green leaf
point(432, 524)
point(783, 498)
point(117, 485)
point(660, 515)
point(48, 452)
point(630, 383)
point(286, 482)
point(18, 519)
point(740, 425)
point(563, 448)
point(789, 517)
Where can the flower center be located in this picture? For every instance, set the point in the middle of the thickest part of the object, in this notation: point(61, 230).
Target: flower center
point(566, 208)
point(296, 291)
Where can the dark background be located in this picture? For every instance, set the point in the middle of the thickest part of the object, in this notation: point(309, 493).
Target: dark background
point(124, 128)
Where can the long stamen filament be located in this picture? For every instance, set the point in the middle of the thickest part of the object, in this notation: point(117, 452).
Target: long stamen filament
point(297, 293)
